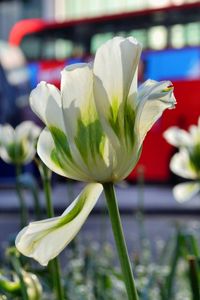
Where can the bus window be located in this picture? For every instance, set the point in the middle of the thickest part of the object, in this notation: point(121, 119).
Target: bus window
point(178, 2)
point(78, 50)
point(63, 49)
point(141, 36)
point(50, 46)
point(177, 36)
point(48, 49)
point(31, 45)
point(157, 37)
point(57, 49)
point(161, 3)
point(121, 33)
point(98, 39)
point(193, 33)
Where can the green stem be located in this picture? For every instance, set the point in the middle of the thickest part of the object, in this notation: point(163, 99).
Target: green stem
point(194, 277)
point(47, 190)
point(144, 245)
point(120, 241)
point(17, 266)
point(23, 208)
point(192, 256)
point(36, 200)
point(168, 288)
point(54, 264)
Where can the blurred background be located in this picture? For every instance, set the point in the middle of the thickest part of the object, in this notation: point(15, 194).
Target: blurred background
point(39, 38)
point(58, 33)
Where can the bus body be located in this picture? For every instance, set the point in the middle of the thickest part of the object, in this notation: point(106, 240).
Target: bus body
point(49, 46)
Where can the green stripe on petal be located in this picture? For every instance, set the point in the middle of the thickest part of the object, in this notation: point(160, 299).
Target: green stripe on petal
point(47, 152)
point(90, 140)
point(122, 121)
point(19, 152)
point(129, 122)
point(61, 142)
point(16, 151)
point(54, 159)
point(44, 240)
point(115, 83)
point(194, 155)
point(114, 116)
point(76, 208)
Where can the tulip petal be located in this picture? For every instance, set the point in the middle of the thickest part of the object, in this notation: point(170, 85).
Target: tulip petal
point(54, 151)
point(7, 134)
point(81, 121)
point(89, 145)
point(115, 92)
point(115, 64)
point(195, 134)
point(185, 191)
point(154, 97)
point(4, 155)
point(45, 101)
point(115, 67)
point(29, 153)
point(44, 240)
point(27, 130)
point(180, 164)
point(177, 137)
point(77, 96)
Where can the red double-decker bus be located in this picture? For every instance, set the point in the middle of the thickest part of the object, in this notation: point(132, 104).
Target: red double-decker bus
point(171, 40)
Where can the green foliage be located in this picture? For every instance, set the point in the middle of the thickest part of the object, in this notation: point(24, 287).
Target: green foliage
point(91, 273)
point(195, 157)
point(15, 282)
point(93, 276)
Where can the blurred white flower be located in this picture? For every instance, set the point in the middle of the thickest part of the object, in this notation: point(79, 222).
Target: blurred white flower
point(181, 138)
point(95, 126)
point(186, 162)
point(177, 137)
point(18, 146)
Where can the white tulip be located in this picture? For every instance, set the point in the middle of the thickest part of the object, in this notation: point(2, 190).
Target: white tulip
point(95, 127)
point(177, 137)
point(185, 191)
point(186, 162)
point(17, 146)
point(96, 124)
